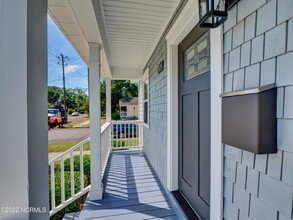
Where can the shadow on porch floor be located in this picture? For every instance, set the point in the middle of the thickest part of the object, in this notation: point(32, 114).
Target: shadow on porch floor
point(132, 191)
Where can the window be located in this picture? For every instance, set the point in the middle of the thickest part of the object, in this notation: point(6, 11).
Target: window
point(123, 108)
point(123, 111)
point(197, 58)
point(145, 87)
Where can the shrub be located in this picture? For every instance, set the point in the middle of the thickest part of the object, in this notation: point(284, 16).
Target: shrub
point(115, 116)
point(74, 206)
point(77, 204)
point(118, 143)
point(70, 111)
point(76, 164)
point(83, 109)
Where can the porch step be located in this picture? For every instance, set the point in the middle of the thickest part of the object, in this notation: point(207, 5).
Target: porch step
point(132, 191)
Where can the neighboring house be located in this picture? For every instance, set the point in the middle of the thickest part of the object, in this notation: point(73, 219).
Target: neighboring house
point(128, 108)
point(186, 75)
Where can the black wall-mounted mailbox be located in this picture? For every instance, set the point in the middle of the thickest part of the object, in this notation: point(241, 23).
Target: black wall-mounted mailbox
point(249, 119)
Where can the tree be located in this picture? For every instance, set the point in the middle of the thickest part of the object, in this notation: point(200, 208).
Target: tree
point(85, 107)
point(75, 98)
point(119, 89)
point(54, 93)
point(80, 97)
point(103, 97)
point(70, 99)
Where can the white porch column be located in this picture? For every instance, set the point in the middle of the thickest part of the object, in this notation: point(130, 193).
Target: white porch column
point(96, 191)
point(108, 99)
point(23, 112)
point(216, 203)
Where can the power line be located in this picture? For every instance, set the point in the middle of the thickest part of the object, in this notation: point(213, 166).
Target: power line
point(51, 53)
point(77, 76)
point(78, 62)
point(73, 61)
point(77, 70)
point(55, 80)
point(54, 52)
point(75, 58)
point(54, 48)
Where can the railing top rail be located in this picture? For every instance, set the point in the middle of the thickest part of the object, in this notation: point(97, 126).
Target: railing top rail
point(105, 126)
point(69, 150)
point(127, 122)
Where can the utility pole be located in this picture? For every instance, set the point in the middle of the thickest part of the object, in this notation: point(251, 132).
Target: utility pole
point(62, 58)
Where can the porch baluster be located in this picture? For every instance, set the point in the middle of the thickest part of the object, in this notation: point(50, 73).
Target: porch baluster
point(72, 173)
point(81, 168)
point(53, 186)
point(62, 181)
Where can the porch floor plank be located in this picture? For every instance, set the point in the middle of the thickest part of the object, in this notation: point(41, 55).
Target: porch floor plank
point(131, 191)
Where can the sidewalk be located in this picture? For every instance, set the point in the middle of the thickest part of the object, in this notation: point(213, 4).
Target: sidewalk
point(83, 125)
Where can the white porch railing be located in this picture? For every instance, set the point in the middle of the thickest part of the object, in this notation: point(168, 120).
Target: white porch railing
point(58, 162)
point(127, 135)
point(114, 136)
point(105, 146)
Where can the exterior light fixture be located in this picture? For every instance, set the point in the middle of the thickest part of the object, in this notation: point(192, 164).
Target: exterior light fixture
point(212, 13)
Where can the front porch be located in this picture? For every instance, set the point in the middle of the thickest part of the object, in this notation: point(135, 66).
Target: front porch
point(131, 191)
point(144, 41)
point(131, 188)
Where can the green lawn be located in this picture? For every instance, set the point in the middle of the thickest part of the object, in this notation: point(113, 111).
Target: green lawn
point(124, 142)
point(71, 124)
point(61, 147)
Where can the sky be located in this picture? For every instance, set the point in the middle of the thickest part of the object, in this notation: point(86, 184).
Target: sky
point(76, 69)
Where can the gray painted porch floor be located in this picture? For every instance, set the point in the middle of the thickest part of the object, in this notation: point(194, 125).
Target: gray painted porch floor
point(132, 191)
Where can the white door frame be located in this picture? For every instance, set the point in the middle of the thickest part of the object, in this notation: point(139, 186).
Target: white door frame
point(186, 21)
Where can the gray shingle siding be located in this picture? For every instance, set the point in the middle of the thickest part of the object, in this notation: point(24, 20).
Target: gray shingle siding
point(260, 186)
point(255, 53)
point(155, 137)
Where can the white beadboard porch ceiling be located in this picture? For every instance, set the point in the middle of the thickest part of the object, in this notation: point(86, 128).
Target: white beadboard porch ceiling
point(133, 28)
point(127, 29)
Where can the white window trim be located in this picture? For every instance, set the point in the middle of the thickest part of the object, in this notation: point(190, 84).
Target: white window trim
point(143, 79)
point(186, 21)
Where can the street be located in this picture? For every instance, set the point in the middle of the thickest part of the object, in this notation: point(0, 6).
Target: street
point(68, 135)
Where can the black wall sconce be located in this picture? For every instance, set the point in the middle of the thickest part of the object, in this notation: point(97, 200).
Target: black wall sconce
point(212, 13)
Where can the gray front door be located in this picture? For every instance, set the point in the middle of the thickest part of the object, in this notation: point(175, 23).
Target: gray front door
point(194, 121)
